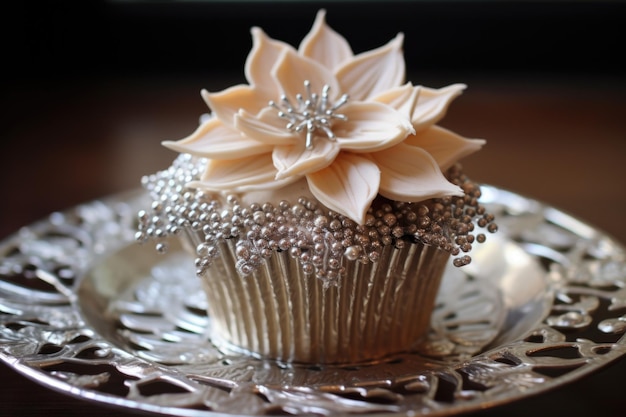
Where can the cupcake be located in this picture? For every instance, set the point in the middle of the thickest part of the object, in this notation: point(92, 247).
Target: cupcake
point(321, 202)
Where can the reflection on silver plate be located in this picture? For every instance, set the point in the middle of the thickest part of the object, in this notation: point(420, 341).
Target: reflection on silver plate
point(86, 311)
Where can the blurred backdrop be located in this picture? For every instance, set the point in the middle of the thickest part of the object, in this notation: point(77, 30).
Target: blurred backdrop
point(94, 87)
point(59, 41)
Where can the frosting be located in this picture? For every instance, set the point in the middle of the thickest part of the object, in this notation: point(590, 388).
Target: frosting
point(345, 126)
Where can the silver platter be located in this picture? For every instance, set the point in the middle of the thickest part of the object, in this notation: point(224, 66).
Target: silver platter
point(86, 311)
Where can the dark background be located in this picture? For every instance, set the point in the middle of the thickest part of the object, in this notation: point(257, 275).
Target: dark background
point(60, 41)
point(89, 89)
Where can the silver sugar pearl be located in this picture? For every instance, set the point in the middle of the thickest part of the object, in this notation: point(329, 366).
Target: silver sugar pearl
point(161, 247)
point(352, 252)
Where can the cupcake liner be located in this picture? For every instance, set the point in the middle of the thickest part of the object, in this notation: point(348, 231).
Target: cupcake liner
point(280, 312)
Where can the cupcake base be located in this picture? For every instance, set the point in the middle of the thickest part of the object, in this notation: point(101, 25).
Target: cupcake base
point(280, 312)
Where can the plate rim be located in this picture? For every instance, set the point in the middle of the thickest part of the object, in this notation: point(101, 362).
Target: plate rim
point(38, 375)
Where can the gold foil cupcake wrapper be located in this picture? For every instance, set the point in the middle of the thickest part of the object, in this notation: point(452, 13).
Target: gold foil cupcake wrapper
point(279, 312)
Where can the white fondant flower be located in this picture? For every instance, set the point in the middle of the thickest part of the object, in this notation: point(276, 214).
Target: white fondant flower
point(361, 133)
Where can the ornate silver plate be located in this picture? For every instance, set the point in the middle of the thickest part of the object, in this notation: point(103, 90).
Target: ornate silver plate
point(85, 310)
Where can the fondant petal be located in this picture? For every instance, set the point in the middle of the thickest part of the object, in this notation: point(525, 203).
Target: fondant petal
point(263, 56)
point(297, 159)
point(214, 139)
point(227, 103)
point(370, 126)
point(292, 70)
point(432, 104)
point(348, 186)
point(403, 99)
point(241, 175)
point(266, 128)
point(324, 45)
point(372, 72)
point(409, 173)
point(445, 146)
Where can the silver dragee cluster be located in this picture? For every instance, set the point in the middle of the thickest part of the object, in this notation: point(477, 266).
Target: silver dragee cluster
point(318, 237)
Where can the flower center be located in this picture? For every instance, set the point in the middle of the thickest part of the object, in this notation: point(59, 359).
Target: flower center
point(312, 113)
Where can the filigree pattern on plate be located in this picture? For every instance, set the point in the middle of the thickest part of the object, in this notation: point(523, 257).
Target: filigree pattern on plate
point(83, 309)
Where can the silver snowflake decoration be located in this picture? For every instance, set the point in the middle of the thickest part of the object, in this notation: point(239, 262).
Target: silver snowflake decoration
point(313, 113)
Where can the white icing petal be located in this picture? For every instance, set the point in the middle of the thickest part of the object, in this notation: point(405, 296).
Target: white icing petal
point(432, 104)
point(445, 146)
point(373, 72)
point(264, 54)
point(403, 99)
point(214, 139)
point(292, 70)
point(370, 126)
point(324, 45)
point(227, 103)
point(409, 173)
point(241, 175)
point(300, 160)
point(266, 128)
point(348, 186)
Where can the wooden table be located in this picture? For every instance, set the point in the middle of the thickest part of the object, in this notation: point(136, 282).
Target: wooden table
point(560, 141)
